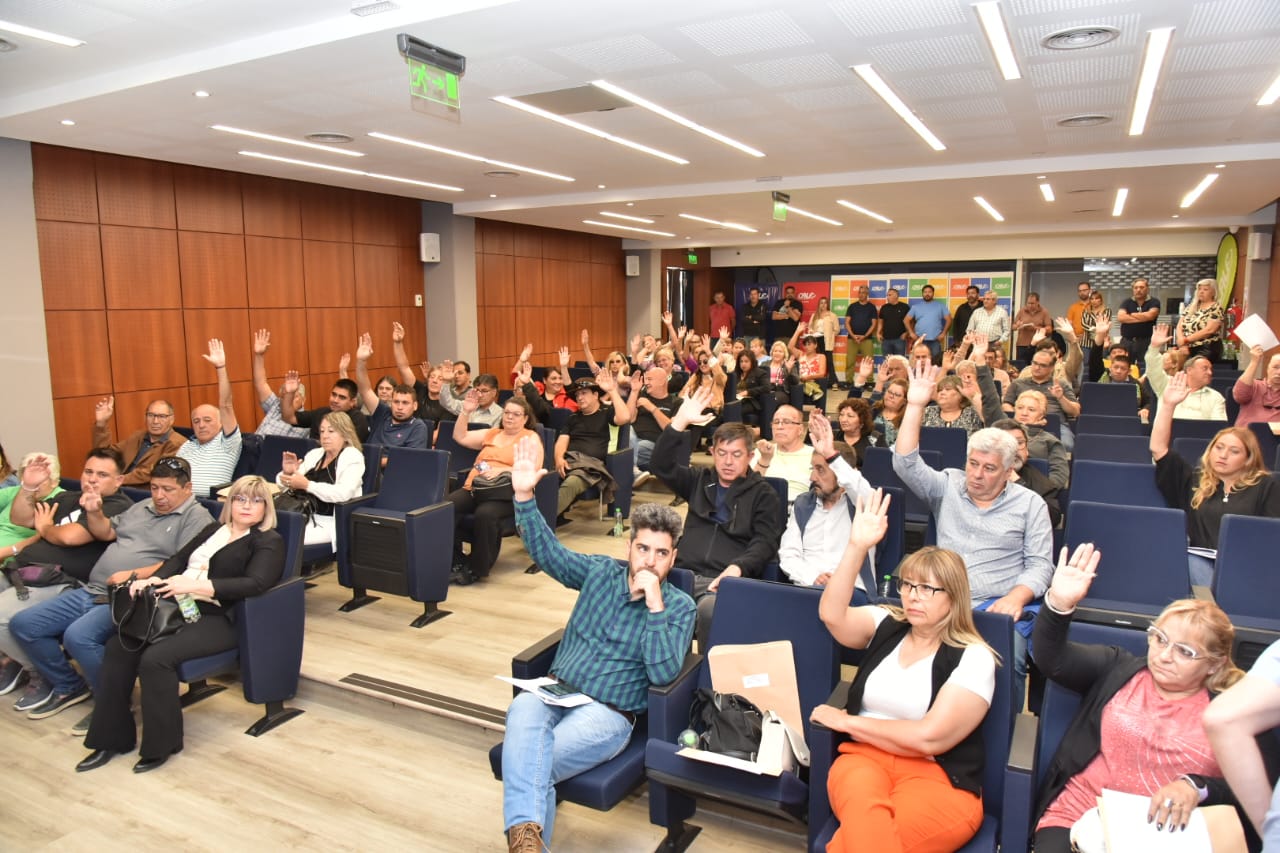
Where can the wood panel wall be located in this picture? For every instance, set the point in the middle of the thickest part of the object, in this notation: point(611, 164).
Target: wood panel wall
point(144, 261)
point(544, 286)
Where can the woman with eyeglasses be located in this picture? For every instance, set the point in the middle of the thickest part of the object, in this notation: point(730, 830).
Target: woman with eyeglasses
point(889, 410)
point(482, 498)
point(708, 373)
point(615, 362)
point(237, 557)
point(1230, 478)
point(1138, 729)
point(331, 473)
point(910, 775)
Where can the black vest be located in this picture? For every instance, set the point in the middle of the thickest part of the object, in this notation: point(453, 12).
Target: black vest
point(963, 762)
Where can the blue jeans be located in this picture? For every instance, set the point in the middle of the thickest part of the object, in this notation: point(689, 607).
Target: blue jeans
point(935, 348)
point(893, 346)
point(644, 452)
point(1200, 569)
point(83, 628)
point(544, 745)
point(1067, 437)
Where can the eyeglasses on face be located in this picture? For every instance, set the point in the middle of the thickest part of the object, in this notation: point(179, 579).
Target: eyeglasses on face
point(159, 416)
point(1181, 651)
point(1042, 363)
point(921, 590)
point(785, 422)
point(249, 500)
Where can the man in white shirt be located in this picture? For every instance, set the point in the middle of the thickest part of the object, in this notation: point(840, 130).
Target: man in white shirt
point(787, 456)
point(1203, 403)
point(818, 529)
point(991, 319)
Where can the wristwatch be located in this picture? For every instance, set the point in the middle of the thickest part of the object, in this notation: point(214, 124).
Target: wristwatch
point(1197, 782)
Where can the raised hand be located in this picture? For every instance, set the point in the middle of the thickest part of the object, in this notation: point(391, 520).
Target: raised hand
point(636, 379)
point(261, 342)
point(866, 366)
point(364, 348)
point(923, 380)
point(1072, 578)
point(1176, 391)
point(425, 367)
point(636, 342)
point(470, 401)
point(724, 333)
point(344, 363)
point(606, 381)
point(397, 333)
point(216, 356)
point(586, 338)
point(291, 382)
point(980, 343)
point(525, 375)
point(104, 409)
point(1056, 390)
point(1161, 336)
point(527, 470)
point(564, 358)
point(948, 361)
point(882, 372)
point(1039, 336)
point(668, 318)
point(289, 462)
point(36, 473)
point(821, 435)
point(526, 353)
point(766, 450)
point(692, 407)
point(870, 521)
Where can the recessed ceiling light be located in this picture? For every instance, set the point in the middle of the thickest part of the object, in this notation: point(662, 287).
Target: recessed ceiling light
point(200, 93)
point(881, 88)
point(1205, 182)
point(814, 216)
point(628, 228)
point(284, 139)
point(639, 219)
point(864, 211)
point(1272, 94)
point(68, 122)
point(1084, 120)
point(1122, 195)
point(346, 171)
point(493, 195)
point(631, 204)
point(1157, 46)
point(1220, 166)
point(768, 233)
point(731, 225)
point(618, 140)
point(1175, 216)
point(43, 35)
point(600, 186)
point(426, 146)
point(364, 8)
point(1075, 38)
point(1041, 177)
point(998, 37)
point(1047, 191)
point(986, 205)
point(678, 119)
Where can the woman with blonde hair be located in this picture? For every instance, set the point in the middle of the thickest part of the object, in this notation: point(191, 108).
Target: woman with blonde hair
point(826, 325)
point(1138, 729)
point(239, 556)
point(1230, 478)
point(332, 473)
point(910, 776)
point(1200, 328)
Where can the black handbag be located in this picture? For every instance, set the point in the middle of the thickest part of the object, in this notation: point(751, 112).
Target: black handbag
point(726, 723)
point(303, 503)
point(145, 618)
point(495, 488)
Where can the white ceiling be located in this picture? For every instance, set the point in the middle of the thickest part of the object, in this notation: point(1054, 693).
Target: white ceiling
point(772, 73)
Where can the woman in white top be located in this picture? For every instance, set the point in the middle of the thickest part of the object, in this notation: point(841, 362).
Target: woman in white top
point(332, 473)
point(910, 777)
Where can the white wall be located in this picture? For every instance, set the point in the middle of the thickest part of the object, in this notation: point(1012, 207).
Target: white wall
point(644, 294)
point(451, 315)
point(26, 415)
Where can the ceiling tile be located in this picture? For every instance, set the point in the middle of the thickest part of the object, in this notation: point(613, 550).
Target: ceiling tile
point(748, 34)
point(1231, 17)
point(928, 54)
point(795, 70)
point(948, 85)
point(876, 17)
point(1083, 71)
point(606, 56)
point(830, 98)
point(1261, 53)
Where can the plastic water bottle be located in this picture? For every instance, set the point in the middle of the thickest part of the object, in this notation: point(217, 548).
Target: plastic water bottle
point(617, 523)
point(885, 589)
point(187, 604)
point(688, 738)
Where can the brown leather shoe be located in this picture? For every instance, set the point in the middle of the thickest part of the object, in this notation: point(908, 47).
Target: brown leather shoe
point(524, 838)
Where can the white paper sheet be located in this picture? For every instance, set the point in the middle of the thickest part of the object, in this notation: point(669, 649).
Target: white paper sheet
point(1253, 331)
point(531, 685)
point(1124, 817)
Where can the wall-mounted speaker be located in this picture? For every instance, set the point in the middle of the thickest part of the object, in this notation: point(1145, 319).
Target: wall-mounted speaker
point(633, 265)
point(429, 248)
point(1259, 245)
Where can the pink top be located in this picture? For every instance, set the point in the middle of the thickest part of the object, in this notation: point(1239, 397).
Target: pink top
point(1147, 742)
point(1258, 402)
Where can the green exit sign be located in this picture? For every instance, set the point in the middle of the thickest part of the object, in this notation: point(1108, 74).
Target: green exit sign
point(434, 84)
point(693, 259)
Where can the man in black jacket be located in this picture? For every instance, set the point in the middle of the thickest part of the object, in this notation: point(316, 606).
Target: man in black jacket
point(735, 519)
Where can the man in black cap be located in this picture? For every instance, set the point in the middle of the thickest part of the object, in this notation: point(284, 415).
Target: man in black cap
point(583, 444)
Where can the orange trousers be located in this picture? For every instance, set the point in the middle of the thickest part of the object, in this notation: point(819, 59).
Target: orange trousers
point(889, 803)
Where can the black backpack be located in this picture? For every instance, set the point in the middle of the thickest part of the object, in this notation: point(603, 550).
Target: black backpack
point(726, 723)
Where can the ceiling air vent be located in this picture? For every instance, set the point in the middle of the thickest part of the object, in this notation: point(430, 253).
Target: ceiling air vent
point(329, 137)
point(1084, 120)
point(1076, 38)
point(6, 46)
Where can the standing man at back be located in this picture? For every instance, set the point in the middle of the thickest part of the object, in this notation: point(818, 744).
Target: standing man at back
point(960, 320)
point(1137, 318)
point(862, 322)
point(892, 330)
point(927, 321)
point(722, 314)
point(1031, 318)
point(786, 315)
point(754, 314)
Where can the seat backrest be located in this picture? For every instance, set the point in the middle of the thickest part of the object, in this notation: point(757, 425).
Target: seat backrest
point(273, 449)
point(289, 525)
point(877, 467)
point(732, 412)
point(460, 458)
point(1053, 424)
point(1190, 448)
point(413, 478)
point(372, 468)
point(893, 546)
point(1091, 424)
point(1112, 448)
point(1148, 568)
point(1101, 482)
point(1041, 465)
point(997, 726)
point(952, 443)
point(780, 486)
point(753, 611)
point(1108, 398)
point(1267, 441)
point(1245, 582)
point(1184, 428)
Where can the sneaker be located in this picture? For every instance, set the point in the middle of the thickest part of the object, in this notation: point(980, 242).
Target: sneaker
point(525, 838)
point(81, 728)
point(462, 576)
point(11, 676)
point(38, 692)
point(642, 478)
point(59, 703)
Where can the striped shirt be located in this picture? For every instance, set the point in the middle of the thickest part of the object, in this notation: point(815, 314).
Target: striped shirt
point(613, 648)
point(1008, 544)
point(273, 424)
point(212, 463)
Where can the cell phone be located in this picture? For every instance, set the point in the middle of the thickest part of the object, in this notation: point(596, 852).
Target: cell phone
point(558, 690)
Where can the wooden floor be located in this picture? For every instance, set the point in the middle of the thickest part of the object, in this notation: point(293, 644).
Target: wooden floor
point(361, 769)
